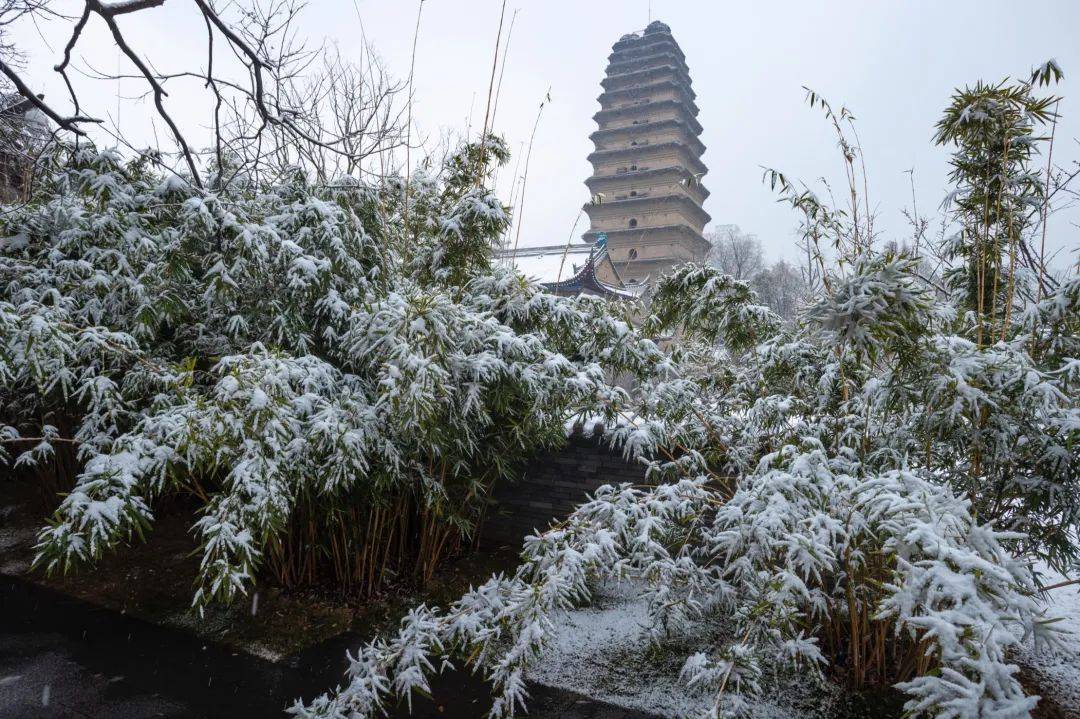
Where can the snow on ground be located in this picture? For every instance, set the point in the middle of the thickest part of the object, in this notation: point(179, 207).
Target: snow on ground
point(1058, 674)
point(602, 651)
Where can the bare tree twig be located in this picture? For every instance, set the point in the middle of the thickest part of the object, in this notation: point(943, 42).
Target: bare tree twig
point(70, 123)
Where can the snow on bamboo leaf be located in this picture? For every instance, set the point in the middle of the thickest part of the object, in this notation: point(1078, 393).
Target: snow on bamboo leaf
point(278, 349)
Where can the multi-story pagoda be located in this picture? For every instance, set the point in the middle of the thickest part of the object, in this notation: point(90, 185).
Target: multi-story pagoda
point(646, 184)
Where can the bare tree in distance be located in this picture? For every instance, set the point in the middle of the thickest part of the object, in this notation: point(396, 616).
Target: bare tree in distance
point(24, 139)
point(734, 252)
point(25, 134)
point(782, 287)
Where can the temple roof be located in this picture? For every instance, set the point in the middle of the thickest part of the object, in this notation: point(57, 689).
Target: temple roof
point(586, 281)
point(570, 270)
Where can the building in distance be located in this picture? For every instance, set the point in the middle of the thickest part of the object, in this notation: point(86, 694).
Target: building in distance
point(645, 211)
point(646, 187)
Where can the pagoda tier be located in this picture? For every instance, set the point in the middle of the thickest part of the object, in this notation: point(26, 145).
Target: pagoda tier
point(647, 155)
point(662, 181)
point(646, 75)
point(649, 111)
point(642, 130)
point(646, 187)
point(665, 89)
point(656, 39)
point(664, 209)
point(634, 64)
point(641, 257)
point(647, 146)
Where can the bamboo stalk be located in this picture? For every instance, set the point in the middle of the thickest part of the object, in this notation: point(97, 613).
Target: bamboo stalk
point(997, 254)
point(491, 89)
point(502, 68)
point(566, 249)
point(1046, 204)
point(408, 120)
point(525, 176)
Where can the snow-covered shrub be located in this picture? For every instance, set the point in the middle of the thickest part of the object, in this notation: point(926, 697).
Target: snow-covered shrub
point(338, 384)
point(702, 301)
point(861, 493)
point(816, 562)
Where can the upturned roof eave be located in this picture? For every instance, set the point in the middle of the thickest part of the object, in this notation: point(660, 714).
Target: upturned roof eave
point(586, 280)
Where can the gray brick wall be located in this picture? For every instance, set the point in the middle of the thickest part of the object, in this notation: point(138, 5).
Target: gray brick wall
point(553, 484)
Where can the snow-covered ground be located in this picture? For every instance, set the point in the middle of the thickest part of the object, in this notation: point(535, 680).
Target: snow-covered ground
point(602, 651)
point(599, 651)
point(1058, 674)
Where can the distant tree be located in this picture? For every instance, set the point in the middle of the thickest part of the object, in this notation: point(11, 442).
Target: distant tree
point(782, 287)
point(739, 254)
point(734, 252)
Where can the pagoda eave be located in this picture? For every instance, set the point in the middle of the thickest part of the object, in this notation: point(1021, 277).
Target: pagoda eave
point(638, 234)
point(685, 102)
point(644, 128)
point(638, 90)
point(629, 49)
point(598, 184)
point(614, 208)
point(632, 110)
point(613, 79)
point(643, 152)
point(690, 142)
point(645, 62)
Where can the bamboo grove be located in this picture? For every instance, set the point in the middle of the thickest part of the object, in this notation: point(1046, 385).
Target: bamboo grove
point(867, 495)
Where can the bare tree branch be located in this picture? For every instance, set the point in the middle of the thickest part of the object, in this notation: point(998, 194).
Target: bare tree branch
point(68, 123)
point(284, 111)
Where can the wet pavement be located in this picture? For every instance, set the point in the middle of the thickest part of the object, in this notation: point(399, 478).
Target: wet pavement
point(62, 657)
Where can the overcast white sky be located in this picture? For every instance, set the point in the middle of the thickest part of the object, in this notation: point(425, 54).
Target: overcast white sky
point(893, 64)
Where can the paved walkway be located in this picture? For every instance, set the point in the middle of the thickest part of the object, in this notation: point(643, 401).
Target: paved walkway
point(61, 657)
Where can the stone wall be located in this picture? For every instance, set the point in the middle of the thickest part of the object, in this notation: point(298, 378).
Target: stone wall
point(553, 484)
